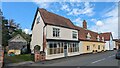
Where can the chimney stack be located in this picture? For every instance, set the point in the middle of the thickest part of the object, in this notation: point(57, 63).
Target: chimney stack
point(84, 24)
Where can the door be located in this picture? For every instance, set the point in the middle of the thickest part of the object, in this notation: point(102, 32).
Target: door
point(65, 49)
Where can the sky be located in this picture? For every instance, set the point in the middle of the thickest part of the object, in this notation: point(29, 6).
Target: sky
point(100, 16)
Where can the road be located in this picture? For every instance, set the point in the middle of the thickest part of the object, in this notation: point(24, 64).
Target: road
point(97, 59)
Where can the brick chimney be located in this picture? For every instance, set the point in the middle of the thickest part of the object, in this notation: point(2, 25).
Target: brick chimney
point(84, 24)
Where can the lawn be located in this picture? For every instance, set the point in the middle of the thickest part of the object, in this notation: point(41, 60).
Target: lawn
point(19, 58)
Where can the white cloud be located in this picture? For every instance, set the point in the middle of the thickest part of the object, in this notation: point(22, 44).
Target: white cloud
point(65, 7)
point(42, 4)
point(27, 31)
point(109, 24)
point(87, 10)
point(78, 21)
point(94, 20)
point(99, 23)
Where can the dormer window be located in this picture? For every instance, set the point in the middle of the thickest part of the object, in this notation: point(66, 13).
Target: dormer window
point(38, 20)
point(103, 39)
point(88, 36)
point(98, 38)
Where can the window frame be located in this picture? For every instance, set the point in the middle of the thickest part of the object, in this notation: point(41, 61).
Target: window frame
point(74, 34)
point(38, 20)
point(56, 32)
point(88, 48)
point(98, 47)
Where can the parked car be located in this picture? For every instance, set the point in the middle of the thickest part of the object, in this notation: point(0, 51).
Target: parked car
point(118, 54)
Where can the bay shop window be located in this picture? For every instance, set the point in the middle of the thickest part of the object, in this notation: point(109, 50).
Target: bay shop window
point(58, 47)
point(73, 47)
point(55, 48)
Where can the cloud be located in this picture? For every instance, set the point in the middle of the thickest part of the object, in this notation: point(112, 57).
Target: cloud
point(78, 21)
point(93, 20)
point(99, 23)
point(42, 4)
point(27, 31)
point(87, 10)
point(65, 7)
point(109, 24)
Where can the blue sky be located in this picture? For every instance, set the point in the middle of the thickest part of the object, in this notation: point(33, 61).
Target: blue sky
point(99, 15)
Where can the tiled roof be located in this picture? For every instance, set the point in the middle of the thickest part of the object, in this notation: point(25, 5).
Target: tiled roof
point(83, 34)
point(106, 35)
point(54, 19)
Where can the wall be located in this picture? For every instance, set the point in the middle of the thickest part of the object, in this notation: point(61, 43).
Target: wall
point(65, 33)
point(111, 43)
point(49, 57)
point(87, 43)
point(37, 34)
point(107, 47)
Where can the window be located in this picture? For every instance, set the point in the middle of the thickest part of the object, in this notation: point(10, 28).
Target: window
point(50, 48)
point(88, 48)
point(88, 36)
point(98, 38)
point(98, 47)
point(93, 45)
point(73, 47)
point(38, 20)
point(55, 48)
point(103, 39)
point(56, 32)
point(74, 34)
point(103, 47)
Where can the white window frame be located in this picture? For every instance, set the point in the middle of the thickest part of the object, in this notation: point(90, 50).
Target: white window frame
point(56, 32)
point(74, 34)
point(88, 36)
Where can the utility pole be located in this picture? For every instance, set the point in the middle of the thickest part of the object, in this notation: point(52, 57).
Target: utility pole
point(1, 28)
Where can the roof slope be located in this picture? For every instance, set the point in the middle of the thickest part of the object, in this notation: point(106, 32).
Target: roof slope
point(83, 33)
point(16, 36)
point(106, 35)
point(54, 19)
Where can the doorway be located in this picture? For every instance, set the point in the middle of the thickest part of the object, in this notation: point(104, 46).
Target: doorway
point(65, 49)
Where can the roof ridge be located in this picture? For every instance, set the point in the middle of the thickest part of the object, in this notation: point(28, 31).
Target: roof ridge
point(86, 29)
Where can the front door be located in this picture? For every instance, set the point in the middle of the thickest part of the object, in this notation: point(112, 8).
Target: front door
point(65, 49)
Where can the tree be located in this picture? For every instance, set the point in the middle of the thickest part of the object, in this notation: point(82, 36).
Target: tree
point(5, 33)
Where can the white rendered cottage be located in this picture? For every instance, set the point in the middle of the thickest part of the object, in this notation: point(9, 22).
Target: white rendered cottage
point(54, 34)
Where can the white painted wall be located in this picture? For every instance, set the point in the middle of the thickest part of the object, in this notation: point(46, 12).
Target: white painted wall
point(114, 44)
point(109, 45)
point(65, 33)
point(54, 56)
point(37, 33)
point(73, 53)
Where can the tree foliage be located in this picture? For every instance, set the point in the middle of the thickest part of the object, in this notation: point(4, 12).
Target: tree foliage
point(11, 29)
